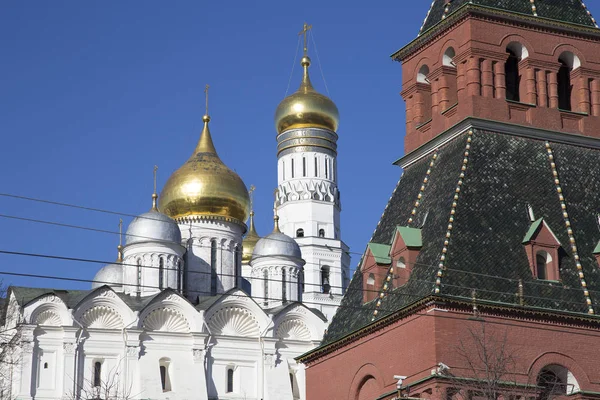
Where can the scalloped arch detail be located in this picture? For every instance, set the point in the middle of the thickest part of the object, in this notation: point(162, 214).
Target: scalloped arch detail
point(166, 320)
point(293, 329)
point(102, 317)
point(234, 321)
point(47, 318)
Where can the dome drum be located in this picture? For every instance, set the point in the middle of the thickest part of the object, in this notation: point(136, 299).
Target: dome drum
point(306, 140)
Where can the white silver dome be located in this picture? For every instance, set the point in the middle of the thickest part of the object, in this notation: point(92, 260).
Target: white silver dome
point(277, 244)
point(111, 275)
point(153, 226)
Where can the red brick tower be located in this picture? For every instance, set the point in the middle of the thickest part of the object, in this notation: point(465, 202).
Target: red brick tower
point(482, 278)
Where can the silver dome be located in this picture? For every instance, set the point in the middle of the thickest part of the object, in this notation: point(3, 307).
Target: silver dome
point(111, 275)
point(277, 244)
point(153, 226)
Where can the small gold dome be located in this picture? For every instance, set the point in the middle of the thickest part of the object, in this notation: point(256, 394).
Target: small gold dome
point(249, 241)
point(306, 108)
point(205, 187)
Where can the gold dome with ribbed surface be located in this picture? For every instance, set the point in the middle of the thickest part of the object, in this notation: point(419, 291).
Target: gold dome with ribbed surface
point(250, 241)
point(204, 186)
point(306, 108)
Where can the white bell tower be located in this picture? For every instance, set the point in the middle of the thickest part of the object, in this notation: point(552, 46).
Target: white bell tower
point(307, 196)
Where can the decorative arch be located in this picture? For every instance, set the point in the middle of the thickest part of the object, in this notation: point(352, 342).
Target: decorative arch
point(166, 320)
point(367, 380)
point(102, 317)
point(296, 321)
point(293, 329)
point(48, 310)
point(511, 41)
point(552, 358)
point(236, 299)
point(563, 48)
point(169, 308)
point(424, 61)
point(448, 57)
point(422, 74)
point(103, 307)
point(234, 321)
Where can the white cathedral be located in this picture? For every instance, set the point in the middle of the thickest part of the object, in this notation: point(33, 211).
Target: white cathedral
point(191, 309)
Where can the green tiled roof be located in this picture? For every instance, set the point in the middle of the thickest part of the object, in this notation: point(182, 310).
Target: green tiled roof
point(485, 251)
point(381, 252)
point(411, 236)
point(532, 230)
point(568, 11)
point(597, 249)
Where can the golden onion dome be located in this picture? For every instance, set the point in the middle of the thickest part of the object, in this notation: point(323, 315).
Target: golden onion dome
point(204, 186)
point(306, 108)
point(249, 241)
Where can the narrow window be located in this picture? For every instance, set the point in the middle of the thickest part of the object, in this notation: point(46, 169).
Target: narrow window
point(371, 280)
point(213, 267)
point(300, 232)
point(301, 282)
point(292, 168)
point(401, 263)
point(161, 273)
point(322, 233)
point(283, 169)
point(237, 264)
point(266, 286)
point(316, 167)
point(283, 286)
point(511, 70)
point(97, 374)
point(541, 266)
point(229, 380)
point(564, 86)
point(303, 166)
point(326, 169)
point(45, 365)
point(179, 276)
point(165, 379)
point(325, 287)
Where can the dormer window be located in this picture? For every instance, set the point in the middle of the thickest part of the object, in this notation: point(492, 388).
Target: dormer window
point(541, 246)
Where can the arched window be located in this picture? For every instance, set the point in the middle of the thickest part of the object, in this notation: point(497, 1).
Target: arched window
point(371, 280)
point(229, 380)
point(165, 378)
point(266, 286)
point(213, 267)
point(322, 233)
point(161, 273)
point(513, 80)
point(401, 263)
point(325, 286)
point(448, 59)
point(326, 168)
point(45, 365)
point(97, 378)
point(303, 166)
point(542, 259)
point(300, 232)
point(556, 380)
point(283, 285)
point(316, 167)
point(422, 75)
point(568, 62)
point(292, 168)
point(237, 253)
point(179, 276)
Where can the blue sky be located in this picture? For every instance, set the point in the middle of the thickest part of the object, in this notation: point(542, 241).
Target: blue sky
point(94, 94)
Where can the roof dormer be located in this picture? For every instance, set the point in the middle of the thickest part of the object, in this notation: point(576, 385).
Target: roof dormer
point(541, 246)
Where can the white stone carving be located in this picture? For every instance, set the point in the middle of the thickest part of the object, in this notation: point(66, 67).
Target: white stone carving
point(102, 317)
point(47, 318)
point(198, 354)
point(293, 329)
point(107, 293)
point(234, 321)
point(166, 320)
point(133, 351)
point(69, 348)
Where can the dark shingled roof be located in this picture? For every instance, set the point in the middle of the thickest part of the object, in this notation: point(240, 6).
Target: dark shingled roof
point(569, 11)
point(485, 253)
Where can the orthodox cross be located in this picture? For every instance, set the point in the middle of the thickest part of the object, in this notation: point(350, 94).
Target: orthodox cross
point(304, 32)
point(251, 193)
point(206, 94)
point(120, 232)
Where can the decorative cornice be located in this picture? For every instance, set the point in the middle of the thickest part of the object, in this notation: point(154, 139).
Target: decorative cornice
point(211, 218)
point(498, 127)
point(485, 308)
point(475, 10)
